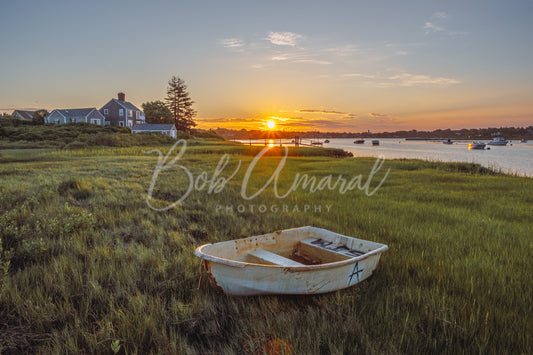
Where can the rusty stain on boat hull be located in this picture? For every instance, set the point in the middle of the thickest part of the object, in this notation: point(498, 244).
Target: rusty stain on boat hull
point(211, 278)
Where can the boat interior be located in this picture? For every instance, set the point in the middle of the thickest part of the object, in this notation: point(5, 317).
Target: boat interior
point(306, 252)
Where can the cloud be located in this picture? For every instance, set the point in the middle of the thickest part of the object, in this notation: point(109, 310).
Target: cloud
point(377, 115)
point(283, 38)
point(358, 75)
point(232, 43)
point(403, 80)
point(436, 24)
point(440, 15)
point(299, 57)
point(342, 51)
point(312, 61)
point(13, 108)
point(324, 112)
point(407, 79)
point(430, 27)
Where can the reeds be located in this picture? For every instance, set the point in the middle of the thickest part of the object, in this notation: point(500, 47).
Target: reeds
point(91, 268)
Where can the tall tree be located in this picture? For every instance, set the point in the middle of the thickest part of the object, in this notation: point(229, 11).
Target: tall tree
point(157, 112)
point(180, 104)
point(39, 115)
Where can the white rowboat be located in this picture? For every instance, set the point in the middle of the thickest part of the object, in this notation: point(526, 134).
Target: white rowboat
point(306, 260)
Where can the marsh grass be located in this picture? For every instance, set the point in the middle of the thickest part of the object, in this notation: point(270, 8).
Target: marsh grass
point(92, 269)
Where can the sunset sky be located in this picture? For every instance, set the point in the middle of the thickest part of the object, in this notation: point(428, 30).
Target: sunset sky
point(379, 65)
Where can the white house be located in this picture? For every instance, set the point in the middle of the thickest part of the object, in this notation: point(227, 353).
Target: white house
point(168, 129)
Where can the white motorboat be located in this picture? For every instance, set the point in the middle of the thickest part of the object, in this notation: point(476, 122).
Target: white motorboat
point(498, 141)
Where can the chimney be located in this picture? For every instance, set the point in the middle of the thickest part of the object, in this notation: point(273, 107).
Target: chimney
point(122, 96)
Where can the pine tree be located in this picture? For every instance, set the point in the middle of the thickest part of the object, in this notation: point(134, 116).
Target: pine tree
point(180, 104)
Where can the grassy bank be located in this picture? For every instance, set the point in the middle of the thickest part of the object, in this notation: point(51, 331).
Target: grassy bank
point(19, 134)
point(87, 266)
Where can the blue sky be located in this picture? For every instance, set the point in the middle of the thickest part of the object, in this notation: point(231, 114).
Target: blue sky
point(337, 65)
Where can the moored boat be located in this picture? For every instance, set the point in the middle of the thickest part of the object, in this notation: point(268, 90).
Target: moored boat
point(326, 141)
point(447, 141)
point(523, 140)
point(359, 141)
point(498, 141)
point(476, 145)
point(306, 260)
point(375, 142)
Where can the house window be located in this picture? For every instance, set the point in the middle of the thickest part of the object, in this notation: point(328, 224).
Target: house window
point(106, 111)
point(130, 113)
point(95, 121)
point(121, 112)
point(137, 113)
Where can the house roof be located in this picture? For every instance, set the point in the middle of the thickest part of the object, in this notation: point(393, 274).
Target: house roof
point(27, 115)
point(75, 112)
point(127, 105)
point(152, 127)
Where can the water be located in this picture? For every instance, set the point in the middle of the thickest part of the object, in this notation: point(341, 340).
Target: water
point(514, 158)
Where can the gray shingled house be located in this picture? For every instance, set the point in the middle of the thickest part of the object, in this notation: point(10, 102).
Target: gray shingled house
point(72, 115)
point(119, 112)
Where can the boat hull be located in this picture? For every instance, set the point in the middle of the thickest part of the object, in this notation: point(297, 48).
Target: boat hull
point(479, 146)
point(235, 276)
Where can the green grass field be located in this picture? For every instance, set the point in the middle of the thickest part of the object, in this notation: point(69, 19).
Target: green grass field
point(87, 267)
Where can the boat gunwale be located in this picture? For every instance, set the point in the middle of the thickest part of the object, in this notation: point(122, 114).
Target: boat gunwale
point(241, 264)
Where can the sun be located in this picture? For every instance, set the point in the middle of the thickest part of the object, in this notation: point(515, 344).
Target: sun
point(271, 124)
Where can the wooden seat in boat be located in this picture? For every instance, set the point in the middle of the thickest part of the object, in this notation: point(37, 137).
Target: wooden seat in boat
point(270, 258)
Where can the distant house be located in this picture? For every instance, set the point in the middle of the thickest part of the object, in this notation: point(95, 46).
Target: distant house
point(119, 112)
point(72, 115)
point(168, 129)
point(23, 115)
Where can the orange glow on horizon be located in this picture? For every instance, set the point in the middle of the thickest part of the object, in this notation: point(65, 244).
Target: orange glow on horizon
point(504, 115)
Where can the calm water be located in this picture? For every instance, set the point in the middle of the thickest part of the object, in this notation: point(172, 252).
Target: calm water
point(516, 158)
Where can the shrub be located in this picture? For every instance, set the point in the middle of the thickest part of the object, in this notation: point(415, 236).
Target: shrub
point(200, 133)
point(75, 145)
